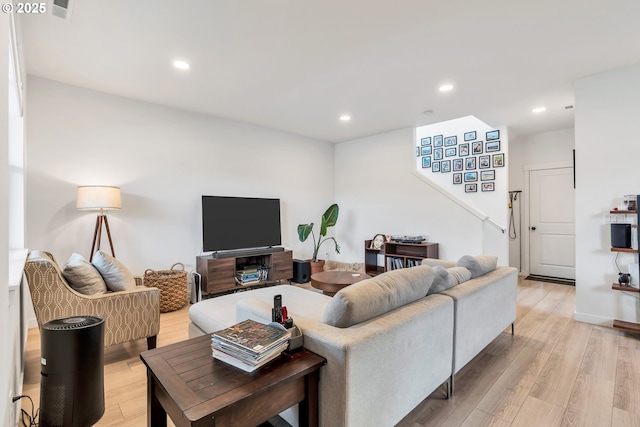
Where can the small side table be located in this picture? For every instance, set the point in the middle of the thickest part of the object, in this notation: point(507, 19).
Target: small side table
point(332, 281)
point(194, 389)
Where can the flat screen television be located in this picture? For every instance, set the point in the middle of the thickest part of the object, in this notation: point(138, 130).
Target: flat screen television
point(231, 223)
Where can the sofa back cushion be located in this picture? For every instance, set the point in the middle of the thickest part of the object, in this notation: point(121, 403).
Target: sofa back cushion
point(478, 265)
point(445, 278)
point(373, 297)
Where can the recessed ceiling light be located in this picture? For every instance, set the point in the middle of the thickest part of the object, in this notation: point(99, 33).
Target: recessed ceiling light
point(539, 110)
point(181, 65)
point(345, 118)
point(445, 88)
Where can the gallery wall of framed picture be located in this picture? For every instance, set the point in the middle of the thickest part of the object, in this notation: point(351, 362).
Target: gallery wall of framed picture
point(471, 158)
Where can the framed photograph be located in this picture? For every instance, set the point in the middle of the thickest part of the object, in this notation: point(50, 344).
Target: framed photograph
point(484, 162)
point(487, 175)
point(488, 186)
point(437, 141)
point(470, 163)
point(457, 164)
point(378, 242)
point(463, 150)
point(476, 147)
point(450, 152)
point(493, 146)
point(470, 136)
point(426, 150)
point(437, 154)
point(470, 188)
point(445, 166)
point(450, 140)
point(426, 162)
point(498, 160)
point(457, 178)
point(435, 166)
point(470, 176)
point(425, 141)
point(493, 135)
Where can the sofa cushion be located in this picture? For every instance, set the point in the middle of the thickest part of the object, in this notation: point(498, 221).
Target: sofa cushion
point(445, 278)
point(82, 276)
point(115, 274)
point(373, 297)
point(478, 265)
point(435, 262)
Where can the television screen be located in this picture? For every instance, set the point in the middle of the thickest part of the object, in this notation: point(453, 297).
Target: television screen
point(239, 223)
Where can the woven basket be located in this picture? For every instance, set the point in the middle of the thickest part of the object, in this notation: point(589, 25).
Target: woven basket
point(172, 284)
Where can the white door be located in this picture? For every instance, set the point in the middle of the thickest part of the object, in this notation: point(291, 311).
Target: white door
point(551, 223)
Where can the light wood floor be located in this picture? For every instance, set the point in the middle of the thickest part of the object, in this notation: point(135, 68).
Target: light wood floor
point(553, 372)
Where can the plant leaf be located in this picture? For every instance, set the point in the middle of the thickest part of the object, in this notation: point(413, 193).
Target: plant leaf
point(330, 217)
point(323, 226)
point(304, 230)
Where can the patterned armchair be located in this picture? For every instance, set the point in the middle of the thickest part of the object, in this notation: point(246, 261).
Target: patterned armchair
point(129, 315)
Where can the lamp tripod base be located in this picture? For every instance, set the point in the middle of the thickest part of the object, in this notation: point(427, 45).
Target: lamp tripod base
point(97, 234)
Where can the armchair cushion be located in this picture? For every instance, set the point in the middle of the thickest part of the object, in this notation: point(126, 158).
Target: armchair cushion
point(82, 276)
point(115, 274)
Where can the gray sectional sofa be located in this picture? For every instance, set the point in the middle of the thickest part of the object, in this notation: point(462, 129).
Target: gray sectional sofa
point(390, 341)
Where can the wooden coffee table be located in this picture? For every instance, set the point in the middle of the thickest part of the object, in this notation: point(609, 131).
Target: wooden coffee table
point(186, 382)
point(332, 281)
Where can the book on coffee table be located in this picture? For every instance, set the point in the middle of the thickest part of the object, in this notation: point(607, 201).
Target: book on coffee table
point(249, 344)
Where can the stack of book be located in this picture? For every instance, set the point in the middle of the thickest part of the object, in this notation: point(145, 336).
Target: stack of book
point(249, 344)
point(248, 275)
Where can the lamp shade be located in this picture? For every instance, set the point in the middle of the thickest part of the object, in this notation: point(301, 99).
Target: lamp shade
point(96, 197)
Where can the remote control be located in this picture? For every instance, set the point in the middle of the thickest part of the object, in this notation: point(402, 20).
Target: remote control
point(276, 315)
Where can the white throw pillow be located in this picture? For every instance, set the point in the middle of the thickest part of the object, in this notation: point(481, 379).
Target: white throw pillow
point(115, 274)
point(82, 276)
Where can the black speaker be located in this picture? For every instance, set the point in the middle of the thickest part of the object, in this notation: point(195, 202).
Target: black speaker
point(72, 371)
point(196, 287)
point(621, 235)
point(301, 271)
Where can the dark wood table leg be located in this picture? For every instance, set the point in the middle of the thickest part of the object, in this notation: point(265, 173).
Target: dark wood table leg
point(156, 415)
point(308, 408)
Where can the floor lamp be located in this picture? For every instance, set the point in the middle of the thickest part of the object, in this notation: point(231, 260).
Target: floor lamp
point(102, 198)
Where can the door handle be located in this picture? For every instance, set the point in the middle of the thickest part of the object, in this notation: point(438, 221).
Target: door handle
point(533, 229)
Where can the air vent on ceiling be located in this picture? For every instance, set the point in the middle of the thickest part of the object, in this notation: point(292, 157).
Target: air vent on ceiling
point(62, 8)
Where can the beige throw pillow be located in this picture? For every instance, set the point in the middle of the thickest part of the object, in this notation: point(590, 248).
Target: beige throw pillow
point(115, 274)
point(82, 276)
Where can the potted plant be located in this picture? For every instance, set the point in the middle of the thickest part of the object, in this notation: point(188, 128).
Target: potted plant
point(329, 219)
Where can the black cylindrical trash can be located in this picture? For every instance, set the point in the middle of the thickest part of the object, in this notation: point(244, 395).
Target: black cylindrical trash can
point(72, 371)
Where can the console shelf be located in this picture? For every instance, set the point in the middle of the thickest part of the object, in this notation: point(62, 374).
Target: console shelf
point(621, 324)
point(404, 255)
point(219, 274)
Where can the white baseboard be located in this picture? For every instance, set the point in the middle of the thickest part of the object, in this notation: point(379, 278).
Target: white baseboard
point(594, 320)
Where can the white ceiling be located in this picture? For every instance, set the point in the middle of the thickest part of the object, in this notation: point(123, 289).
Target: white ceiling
point(297, 65)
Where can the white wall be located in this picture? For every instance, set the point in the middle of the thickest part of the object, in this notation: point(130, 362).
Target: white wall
point(524, 152)
point(607, 125)
point(163, 160)
point(6, 339)
point(378, 192)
